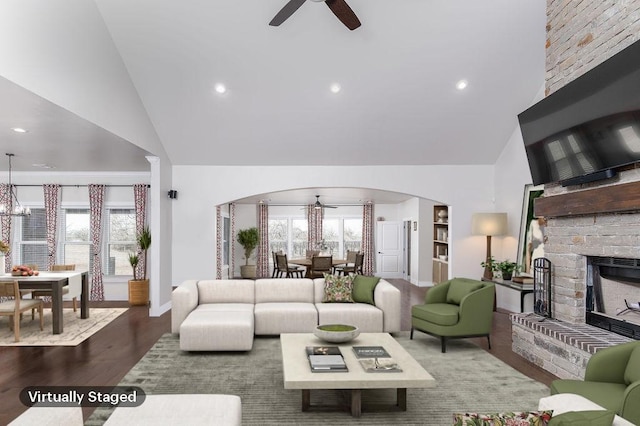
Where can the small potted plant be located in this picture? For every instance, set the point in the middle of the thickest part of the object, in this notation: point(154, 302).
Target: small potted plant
point(248, 239)
point(139, 288)
point(507, 268)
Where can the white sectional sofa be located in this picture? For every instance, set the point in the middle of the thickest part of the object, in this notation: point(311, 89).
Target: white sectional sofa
point(224, 315)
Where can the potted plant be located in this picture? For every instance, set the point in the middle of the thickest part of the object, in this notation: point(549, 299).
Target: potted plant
point(139, 288)
point(507, 268)
point(248, 239)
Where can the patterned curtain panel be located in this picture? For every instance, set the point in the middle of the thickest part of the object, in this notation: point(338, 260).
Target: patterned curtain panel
point(140, 191)
point(218, 243)
point(232, 246)
point(367, 239)
point(314, 224)
point(51, 207)
point(96, 204)
point(263, 245)
point(5, 221)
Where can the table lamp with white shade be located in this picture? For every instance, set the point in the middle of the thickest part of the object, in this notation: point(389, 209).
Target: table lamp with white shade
point(490, 225)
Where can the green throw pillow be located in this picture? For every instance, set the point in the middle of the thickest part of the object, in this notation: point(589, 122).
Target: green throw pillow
point(583, 418)
point(363, 288)
point(337, 288)
point(632, 372)
point(459, 289)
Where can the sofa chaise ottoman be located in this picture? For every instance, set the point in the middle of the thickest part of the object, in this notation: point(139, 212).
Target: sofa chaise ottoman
point(224, 315)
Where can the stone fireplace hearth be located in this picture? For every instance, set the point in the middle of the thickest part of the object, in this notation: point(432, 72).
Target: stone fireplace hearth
point(564, 344)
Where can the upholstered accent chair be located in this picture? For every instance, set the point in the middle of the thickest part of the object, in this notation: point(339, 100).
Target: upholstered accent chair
point(611, 380)
point(458, 308)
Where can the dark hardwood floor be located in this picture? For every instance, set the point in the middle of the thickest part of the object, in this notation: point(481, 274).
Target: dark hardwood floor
point(107, 356)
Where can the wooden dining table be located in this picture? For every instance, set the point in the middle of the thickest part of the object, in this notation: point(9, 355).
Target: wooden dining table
point(307, 262)
point(55, 281)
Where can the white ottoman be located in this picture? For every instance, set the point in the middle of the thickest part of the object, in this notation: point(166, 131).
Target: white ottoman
point(205, 330)
point(179, 410)
point(564, 402)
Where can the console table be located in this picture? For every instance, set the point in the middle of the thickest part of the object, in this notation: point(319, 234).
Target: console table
point(510, 286)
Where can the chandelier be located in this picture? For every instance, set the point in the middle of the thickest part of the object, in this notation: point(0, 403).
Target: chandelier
point(18, 210)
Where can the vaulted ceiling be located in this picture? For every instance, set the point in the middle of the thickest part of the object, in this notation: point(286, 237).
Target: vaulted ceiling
point(398, 103)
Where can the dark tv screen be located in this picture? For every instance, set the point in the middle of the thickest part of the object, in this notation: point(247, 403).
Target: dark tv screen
point(589, 126)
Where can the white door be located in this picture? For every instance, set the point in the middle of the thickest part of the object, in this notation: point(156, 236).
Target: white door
point(389, 240)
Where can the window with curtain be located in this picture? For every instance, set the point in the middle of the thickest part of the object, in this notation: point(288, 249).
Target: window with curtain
point(120, 241)
point(32, 239)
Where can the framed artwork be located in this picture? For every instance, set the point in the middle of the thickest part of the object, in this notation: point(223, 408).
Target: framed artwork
point(531, 239)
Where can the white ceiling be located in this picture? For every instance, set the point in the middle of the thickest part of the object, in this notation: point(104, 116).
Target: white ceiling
point(398, 104)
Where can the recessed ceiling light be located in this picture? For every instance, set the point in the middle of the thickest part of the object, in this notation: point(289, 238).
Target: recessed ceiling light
point(462, 84)
point(220, 88)
point(335, 88)
point(19, 130)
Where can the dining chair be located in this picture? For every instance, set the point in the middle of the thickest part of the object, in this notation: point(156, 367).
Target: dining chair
point(319, 266)
point(353, 268)
point(311, 253)
point(349, 261)
point(65, 289)
point(276, 271)
point(284, 267)
point(15, 306)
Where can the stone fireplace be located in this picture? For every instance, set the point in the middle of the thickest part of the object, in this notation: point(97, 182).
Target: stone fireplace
point(579, 38)
point(593, 254)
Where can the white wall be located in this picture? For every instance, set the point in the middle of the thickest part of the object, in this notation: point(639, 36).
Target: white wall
point(511, 176)
point(466, 189)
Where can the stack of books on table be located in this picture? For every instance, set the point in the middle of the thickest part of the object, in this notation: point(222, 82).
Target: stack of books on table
point(375, 359)
point(525, 281)
point(326, 359)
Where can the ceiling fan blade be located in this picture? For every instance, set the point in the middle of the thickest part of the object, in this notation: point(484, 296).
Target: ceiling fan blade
point(286, 11)
point(341, 9)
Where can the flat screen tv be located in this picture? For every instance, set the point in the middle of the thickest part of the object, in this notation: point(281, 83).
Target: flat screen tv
point(588, 128)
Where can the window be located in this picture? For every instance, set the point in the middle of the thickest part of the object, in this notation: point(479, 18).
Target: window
point(352, 235)
point(121, 240)
point(76, 242)
point(289, 235)
point(331, 236)
point(32, 240)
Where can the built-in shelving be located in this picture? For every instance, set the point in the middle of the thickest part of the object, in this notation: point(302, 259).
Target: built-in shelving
point(440, 244)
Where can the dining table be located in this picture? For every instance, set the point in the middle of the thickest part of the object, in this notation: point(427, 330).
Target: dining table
point(307, 262)
point(55, 281)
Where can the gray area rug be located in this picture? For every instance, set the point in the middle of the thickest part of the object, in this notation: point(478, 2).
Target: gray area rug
point(468, 380)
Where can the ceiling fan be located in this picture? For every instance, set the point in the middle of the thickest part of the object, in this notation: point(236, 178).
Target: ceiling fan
point(339, 8)
point(318, 205)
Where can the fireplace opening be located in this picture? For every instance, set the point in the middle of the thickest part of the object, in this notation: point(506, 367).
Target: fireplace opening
point(613, 295)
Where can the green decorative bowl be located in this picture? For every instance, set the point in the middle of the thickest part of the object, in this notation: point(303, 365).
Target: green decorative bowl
point(336, 333)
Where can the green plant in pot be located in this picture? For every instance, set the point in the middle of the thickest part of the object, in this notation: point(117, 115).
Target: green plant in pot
point(248, 239)
point(139, 288)
point(507, 268)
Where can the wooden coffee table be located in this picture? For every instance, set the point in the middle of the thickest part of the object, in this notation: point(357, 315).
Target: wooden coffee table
point(298, 375)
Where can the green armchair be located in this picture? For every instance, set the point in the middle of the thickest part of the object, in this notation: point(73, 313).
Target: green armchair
point(611, 380)
point(458, 308)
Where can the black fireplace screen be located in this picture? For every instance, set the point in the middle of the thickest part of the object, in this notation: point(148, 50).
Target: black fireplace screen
point(542, 287)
